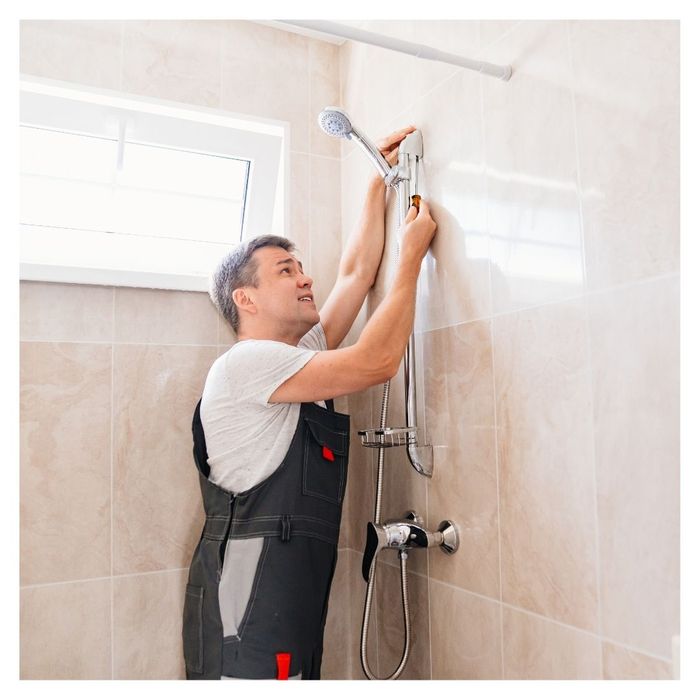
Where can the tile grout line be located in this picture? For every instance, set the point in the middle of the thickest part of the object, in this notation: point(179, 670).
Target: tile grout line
point(589, 350)
point(315, 155)
point(101, 578)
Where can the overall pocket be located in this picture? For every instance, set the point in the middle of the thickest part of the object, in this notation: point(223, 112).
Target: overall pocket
point(325, 462)
point(192, 628)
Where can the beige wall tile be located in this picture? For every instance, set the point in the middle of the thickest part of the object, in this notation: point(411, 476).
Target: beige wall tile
point(158, 514)
point(546, 464)
point(64, 461)
point(459, 36)
point(465, 635)
point(59, 50)
point(50, 311)
point(148, 626)
point(494, 30)
point(458, 373)
point(173, 60)
point(336, 639)
point(456, 36)
point(324, 225)
point(324, 91)
point(358, 593)
point(226, 337)
point(266, 73)
point(65, 631)
point(388, 599)
point(164, 316)
point(454, 283)
point(463, 490)
point(627, 115)
point(636, 385)
point(655, 39)
point(621, 664)
point(355, 172)
point(460, 414)
point(530, 151)
point(352, 59)
point(299, 206)
point(535, 648)
point(386, 84)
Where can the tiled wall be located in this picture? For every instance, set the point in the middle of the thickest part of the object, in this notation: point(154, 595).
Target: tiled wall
point(548, 320)
point(110, 503)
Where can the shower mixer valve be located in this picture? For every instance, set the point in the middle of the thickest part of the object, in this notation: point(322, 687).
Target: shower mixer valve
point(404, 534)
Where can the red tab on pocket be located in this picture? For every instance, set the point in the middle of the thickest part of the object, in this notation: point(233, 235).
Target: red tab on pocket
point(283, 660)
point(327, 454)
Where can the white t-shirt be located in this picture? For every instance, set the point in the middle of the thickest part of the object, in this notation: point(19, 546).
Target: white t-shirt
point(247, 437)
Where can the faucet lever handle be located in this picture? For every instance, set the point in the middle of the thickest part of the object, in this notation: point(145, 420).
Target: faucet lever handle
point(371, 548)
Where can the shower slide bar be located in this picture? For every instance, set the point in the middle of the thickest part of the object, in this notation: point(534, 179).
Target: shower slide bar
point(407, 47)
point(408, 532)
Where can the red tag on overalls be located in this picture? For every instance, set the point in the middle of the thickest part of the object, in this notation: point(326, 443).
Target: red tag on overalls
point(283, 660)
point(327, 454)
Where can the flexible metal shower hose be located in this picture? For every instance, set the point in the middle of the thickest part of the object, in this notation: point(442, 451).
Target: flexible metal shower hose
point(403, 555)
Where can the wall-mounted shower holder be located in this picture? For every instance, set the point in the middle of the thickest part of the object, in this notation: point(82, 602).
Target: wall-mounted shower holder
point(404, 178)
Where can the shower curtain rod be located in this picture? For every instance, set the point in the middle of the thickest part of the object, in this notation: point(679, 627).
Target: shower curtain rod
point(408, 47)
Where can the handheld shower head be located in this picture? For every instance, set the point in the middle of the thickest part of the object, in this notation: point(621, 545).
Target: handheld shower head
point(335, 122)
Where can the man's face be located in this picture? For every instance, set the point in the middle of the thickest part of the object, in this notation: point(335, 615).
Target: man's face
point(284, 293)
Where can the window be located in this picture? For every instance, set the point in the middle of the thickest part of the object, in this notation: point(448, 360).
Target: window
point(122, 190)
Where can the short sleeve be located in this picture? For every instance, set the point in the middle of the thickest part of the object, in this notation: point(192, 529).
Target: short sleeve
point(315, 339)
point(257, 367)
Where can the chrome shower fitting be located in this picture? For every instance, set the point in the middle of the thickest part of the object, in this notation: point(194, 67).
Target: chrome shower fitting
point(406, 534)
point(403, 177)
point(335, 122)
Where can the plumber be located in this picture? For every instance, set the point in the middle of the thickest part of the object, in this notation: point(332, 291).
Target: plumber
point(271, 451)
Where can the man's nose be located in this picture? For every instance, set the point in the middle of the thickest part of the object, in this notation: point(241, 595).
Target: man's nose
point(305, 280)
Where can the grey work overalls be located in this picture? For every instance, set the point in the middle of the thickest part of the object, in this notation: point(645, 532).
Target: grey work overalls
point(297, 511)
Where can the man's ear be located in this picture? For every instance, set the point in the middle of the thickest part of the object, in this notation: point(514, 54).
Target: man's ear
point(243, 301)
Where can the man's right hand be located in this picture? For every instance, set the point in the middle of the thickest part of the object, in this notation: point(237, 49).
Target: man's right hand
point(419, 230)
point(377, 355)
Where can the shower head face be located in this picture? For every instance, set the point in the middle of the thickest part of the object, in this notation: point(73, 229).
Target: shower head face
point(335, 122)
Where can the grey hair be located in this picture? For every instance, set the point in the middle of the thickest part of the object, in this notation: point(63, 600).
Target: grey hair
point(240, 269)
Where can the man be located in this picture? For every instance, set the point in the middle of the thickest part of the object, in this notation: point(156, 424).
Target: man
point(271, 451)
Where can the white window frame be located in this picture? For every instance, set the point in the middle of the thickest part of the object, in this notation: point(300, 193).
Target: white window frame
point(101, 112)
